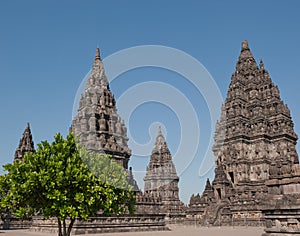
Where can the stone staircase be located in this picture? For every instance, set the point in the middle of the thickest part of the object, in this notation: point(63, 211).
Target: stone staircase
point(213, 215)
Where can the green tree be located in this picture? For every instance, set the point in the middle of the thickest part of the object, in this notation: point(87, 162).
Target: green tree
point(65, 181)
point(4, 212)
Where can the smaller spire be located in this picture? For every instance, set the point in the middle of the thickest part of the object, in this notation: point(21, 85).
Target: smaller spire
point(263, 70)
point(261, 64)
point(26, 144)
point(208, 185)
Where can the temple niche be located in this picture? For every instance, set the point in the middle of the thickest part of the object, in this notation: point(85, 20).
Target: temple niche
point(254, 133)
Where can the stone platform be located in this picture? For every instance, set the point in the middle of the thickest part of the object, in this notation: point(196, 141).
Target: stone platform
point(176, 231)
point(100, 224)
point(282, 222)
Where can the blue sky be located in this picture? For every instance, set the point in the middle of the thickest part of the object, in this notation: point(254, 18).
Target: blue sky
point(47, 47)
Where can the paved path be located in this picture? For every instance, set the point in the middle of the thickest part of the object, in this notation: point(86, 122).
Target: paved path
point(177, 231)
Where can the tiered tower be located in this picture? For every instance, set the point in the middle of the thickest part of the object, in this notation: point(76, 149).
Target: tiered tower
point(255, 132)
point(161, 179)
point(97, 123)
point(26, 144)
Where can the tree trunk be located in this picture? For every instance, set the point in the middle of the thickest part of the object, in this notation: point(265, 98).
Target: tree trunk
point(6, 221)
point(59, 228)
point(64, 228)
point(70, 227)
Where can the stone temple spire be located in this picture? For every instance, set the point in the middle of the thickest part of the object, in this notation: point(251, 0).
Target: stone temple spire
point(97, 78)
point(97, 123)
point(246, 63)
point(254, 133)
point(26, 144)
point(161, 178)
point(161, 148)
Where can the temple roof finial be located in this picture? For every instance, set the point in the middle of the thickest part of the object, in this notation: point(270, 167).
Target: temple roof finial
point(160, 139)
point(159, 131)
point(97, 57)
point(246, 63)
point(97, 76)
point(245, 45)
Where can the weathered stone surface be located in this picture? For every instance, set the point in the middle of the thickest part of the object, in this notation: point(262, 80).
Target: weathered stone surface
point(147, 203)
point(282, 213)
point(26, 144)
point(254, 140)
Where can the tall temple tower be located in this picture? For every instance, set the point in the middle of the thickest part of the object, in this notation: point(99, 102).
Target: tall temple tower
point(97, 123)
point(255, 129)
point(255, 132)
point(161, 179)
point(26, 144)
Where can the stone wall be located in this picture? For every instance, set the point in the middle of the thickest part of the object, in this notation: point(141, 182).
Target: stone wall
point(100, 224)
point(282, 222)
point(282, 214)
point(14, 223)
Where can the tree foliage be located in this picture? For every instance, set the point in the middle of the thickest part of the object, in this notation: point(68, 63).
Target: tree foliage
point(4, 211)
point(64, 180)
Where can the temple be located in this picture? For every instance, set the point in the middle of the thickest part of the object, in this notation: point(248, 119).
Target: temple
point(254, 133)
point(97, 123)
point(161, 179)
point(257, 171)
point(100, 129)
point(26, 144)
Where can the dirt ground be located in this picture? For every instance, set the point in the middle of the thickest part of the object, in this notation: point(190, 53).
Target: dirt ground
point(175, 231)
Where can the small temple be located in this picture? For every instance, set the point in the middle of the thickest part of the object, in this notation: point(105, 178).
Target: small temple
point(26, 144)
point(161, 179)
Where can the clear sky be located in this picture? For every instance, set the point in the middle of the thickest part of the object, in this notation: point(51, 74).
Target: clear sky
point(47, 47)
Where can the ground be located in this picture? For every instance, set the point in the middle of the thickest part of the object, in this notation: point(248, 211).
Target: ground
point(176, 231)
